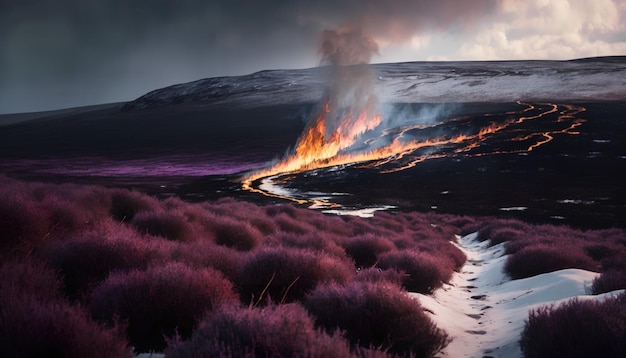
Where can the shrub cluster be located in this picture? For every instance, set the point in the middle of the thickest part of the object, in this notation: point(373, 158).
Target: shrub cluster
point(160, 302)
point(424, 273)
point(150, 270)
point(537, 249)
point(273, 331)
point(287, 274)
point(577, 329)
point(381, 316)
point(38, 322)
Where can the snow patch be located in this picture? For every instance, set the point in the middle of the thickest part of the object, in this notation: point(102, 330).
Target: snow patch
point(484, 311)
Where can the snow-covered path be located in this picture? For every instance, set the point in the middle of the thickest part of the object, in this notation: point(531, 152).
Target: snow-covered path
point(484, 311)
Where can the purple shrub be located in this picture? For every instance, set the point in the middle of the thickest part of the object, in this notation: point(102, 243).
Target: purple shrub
point(443, 249)
point(26, 276)
point(125, 204)
point(616, 260)
point(600, 251)
point(424, 272)
point(206, 254)
point(264, 224)
point(505, 234)
point(160, 302)
point(272, 331)
point(276, 210)
point(608, 281)
point(236, 234)
point(37, 322)
point(378, 276)
point(35, 328)
point(364, 249)
point(288, 224)
point(538, 259)
point(86, 260)
point(465, 225)
point(287, 274)
point(577, 329)
point(395, 223)
point(359, 226)
point(22, 222)
point(317, 241)
point(333, 225)
point(381, 316)
point(171, 225)
point(487, 230)
point(68, 213)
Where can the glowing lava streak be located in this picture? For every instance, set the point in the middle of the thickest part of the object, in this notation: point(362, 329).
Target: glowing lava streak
point(320, 146)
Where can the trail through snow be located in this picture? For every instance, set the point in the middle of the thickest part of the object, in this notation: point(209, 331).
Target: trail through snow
point(484, 311)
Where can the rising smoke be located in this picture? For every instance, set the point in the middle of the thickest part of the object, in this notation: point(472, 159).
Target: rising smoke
point(348, 51)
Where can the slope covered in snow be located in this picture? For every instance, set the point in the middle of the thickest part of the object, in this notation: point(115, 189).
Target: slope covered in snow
point(484, 311)
point(595, 79)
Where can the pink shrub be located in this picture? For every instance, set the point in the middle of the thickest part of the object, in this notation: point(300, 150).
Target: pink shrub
point(70, 209)
point(424, 272)
point(171, 225)
point(264, 224)
point(125, 204)
point(615, 262)
point(34, 328)
point(236, 234)
point(37, 322)
point(22, 222)
point(206, 254)
point(287, 274)
point(29, 277)
point(288, 224)
point(538, 259)
point(275, 210)
point(444, 250)
point(378, 276)
point(505, 234)
point(395, 223)
point(273, 331)
point(381, 316)
point(316, 241)
point(333, 225)
point(465, 224)
point(488, 228)
point(364, 249)
point(359, 226)
point(608, 281)
point(577, 329)
point(86, 260)
point(160, 302)
point(600, 251)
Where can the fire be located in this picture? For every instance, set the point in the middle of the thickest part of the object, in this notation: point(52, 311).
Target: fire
point(330, 138)
point(318, 147)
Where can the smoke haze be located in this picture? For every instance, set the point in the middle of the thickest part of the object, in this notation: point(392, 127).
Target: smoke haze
point(61, 53)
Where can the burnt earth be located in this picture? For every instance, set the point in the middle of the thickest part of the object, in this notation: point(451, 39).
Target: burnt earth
point(575, 179)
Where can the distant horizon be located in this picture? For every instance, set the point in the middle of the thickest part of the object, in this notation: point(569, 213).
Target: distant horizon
point(51, 110)
point(78, 53)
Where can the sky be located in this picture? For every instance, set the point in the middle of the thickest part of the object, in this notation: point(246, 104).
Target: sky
point(65, 53)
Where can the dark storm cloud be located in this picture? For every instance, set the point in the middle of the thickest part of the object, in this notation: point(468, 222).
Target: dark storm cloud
point(59, 53)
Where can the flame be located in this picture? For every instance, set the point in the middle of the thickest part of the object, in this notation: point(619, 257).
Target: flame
point(321, 146)
point(317, 148)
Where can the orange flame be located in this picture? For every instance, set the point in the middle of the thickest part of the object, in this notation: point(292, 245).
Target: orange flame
point(317, 148)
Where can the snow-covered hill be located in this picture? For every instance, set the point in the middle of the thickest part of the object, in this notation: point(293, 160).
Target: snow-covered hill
point(594, 79)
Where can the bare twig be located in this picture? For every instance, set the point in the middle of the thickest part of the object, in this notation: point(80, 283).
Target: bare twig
point(287, 290)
